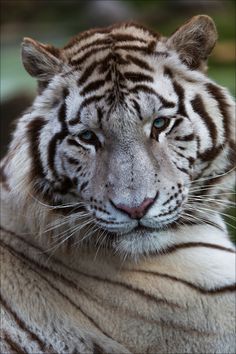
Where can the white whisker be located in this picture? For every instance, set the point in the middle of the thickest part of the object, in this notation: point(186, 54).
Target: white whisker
point(213, 177)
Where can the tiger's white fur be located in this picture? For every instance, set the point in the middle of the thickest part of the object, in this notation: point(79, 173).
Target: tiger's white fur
point(83, 269)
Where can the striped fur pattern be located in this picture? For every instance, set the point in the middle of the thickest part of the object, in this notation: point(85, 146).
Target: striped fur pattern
point(112, 192)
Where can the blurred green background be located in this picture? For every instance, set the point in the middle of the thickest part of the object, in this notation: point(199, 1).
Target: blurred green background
point(56, 21)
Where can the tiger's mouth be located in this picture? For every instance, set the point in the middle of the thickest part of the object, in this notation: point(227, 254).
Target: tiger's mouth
point(143, 230)
point(139, 229)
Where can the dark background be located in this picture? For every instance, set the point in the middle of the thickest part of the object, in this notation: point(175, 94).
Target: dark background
point(56, 21)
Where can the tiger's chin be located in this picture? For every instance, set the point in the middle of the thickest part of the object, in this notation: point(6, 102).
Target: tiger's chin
point(140, 241)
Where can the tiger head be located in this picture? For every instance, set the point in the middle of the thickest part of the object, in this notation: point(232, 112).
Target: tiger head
point(125, 122)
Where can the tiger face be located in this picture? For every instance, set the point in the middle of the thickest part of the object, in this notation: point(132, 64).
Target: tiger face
point(124, 122)
point(124, 162)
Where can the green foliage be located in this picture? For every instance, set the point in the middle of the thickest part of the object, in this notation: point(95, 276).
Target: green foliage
point(224, 75)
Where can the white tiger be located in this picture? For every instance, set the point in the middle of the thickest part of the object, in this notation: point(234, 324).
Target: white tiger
point(112, 192)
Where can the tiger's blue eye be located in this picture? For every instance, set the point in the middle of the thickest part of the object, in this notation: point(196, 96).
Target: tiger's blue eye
point(89, 137)
point(86, 135)
point(159, 123)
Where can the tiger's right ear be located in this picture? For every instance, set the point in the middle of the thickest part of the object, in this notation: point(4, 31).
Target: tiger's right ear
point(42, 61)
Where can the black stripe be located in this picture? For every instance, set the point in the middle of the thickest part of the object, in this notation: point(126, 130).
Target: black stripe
point(209, 155)
point(137, 108)
point(84, 35)
point(199, 107)
point(105, 63)
point(23, 325)
point(60, 136)
point(83, 186)
point(130, 287)
point(180, 93)
point(52, 146)
point(213, 291)
point(75, 143)
point(188, 137)
point(15, 347)
point(168, 72)
point(218, 95)
point(137, 77)
point(143, 49)
point(181, 246)
point(181, 155)
point(72, 160)
point(97, 349)
point(62, 111)
point(33, 130)
point(150, 91)
point(99, 116)
point(139, 62)
point(175, 125)
point(92, 86)
point(84, 57)
point(85, 103)
point(97, 42)
point(123, 37)
point(87, 73)
point(181, 168)
point(3, 178)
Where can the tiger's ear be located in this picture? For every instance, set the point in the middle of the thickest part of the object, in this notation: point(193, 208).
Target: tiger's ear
point(40, 60)
point(194, 41)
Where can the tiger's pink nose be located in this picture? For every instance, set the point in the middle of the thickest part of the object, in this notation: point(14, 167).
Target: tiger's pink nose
point(136, 212)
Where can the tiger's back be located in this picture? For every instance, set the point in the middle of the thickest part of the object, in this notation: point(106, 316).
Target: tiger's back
point(112, 191)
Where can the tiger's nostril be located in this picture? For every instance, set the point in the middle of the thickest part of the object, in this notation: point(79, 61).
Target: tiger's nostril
point(135, 212)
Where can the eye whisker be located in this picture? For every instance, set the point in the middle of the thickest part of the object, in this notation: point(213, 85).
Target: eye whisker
point(68, 205)
point(213, 177)
point(202, 200)
point(66, 220)
point(201, 219)
point(203, 209)
point(210, 187)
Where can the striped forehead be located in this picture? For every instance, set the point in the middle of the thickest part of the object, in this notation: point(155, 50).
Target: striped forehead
point(108, 37)
point(114, 70)
point(109, 103)
point(107, 55)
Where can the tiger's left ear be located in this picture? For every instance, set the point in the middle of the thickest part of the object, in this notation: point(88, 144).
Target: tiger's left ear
point(41, 61)
point(194, 41)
